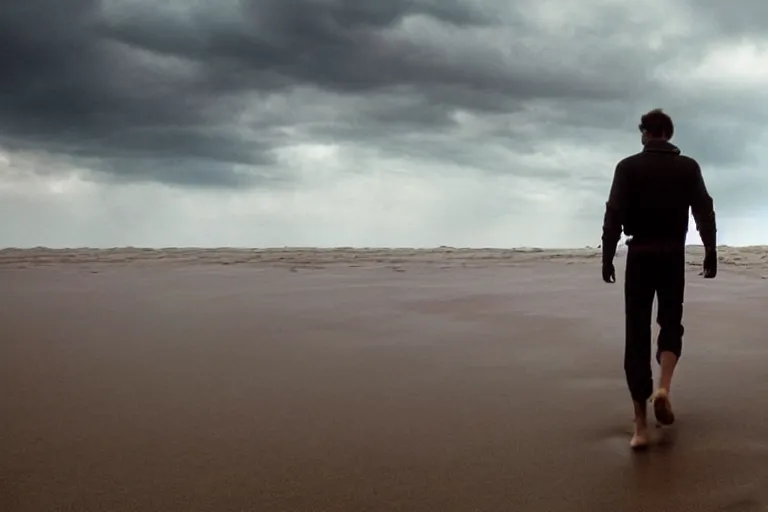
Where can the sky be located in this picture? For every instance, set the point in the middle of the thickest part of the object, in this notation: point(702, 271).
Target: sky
point(377, 123)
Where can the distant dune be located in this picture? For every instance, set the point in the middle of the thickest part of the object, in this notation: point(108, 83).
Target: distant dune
point(752, 259)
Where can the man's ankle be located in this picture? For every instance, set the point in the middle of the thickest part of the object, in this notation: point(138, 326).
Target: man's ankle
point(641, 411)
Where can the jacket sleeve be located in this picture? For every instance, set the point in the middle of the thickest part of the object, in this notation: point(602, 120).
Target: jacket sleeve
point(615, 210)
point(703, 210)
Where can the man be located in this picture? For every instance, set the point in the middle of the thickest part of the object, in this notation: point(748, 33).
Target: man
point(650, 198)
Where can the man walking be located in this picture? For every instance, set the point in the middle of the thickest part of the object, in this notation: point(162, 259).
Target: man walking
point(650, 197)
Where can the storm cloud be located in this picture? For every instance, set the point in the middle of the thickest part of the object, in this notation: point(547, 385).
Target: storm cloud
point(464, 116)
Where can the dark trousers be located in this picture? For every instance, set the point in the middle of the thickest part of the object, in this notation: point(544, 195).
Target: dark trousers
point(648, 274)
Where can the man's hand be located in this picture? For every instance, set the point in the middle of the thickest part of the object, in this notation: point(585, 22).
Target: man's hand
point(609, 272)
point(709, 270)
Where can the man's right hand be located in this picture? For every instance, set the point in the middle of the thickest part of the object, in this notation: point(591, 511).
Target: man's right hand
point(709, 270)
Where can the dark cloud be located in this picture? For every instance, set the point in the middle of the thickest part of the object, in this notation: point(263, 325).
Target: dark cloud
point(207, 93)
point(68, 90)
point(353, 46)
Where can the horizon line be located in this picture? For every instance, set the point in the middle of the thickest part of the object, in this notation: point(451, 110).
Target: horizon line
point(338, 247)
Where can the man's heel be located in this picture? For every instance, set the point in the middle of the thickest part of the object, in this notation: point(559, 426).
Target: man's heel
point(662, 408)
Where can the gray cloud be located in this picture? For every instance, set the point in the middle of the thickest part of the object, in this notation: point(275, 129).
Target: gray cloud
point(209, 94)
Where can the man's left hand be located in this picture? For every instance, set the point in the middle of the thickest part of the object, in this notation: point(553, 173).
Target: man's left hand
point(609, 272)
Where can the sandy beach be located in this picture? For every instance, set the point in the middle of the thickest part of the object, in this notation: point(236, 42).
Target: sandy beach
point(293, 380)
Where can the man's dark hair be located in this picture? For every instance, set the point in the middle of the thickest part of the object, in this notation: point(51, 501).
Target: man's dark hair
point(657, 124)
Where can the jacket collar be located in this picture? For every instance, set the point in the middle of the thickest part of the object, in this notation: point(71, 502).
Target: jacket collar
point(659, 146)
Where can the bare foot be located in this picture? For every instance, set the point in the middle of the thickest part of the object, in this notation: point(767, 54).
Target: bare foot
point(662, 408)
point(639, 439)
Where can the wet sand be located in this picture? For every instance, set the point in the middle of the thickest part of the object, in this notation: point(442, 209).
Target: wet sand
point(400, 384)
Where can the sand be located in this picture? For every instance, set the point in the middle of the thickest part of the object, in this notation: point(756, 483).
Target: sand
point(366, 380)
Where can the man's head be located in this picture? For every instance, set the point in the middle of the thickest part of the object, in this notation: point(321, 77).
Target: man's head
point(656, 125)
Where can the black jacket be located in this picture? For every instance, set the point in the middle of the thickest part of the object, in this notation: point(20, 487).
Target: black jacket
point(650, 198)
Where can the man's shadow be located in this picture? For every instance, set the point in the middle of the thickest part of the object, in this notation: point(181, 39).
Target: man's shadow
point(663, 438)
